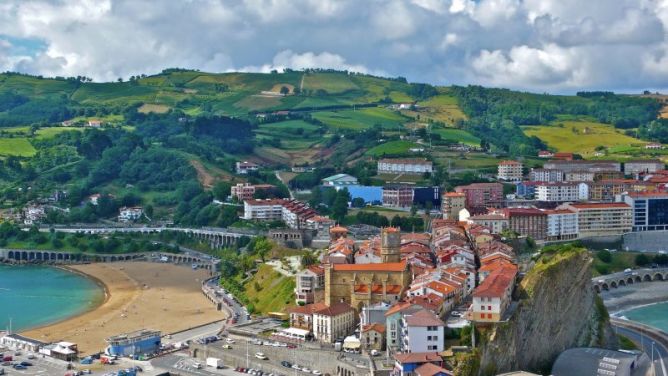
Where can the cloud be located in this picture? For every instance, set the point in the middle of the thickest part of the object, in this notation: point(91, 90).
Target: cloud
point(542, 45)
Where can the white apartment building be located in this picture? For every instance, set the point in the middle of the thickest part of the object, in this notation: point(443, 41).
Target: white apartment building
point(404, 166)
point(602, 218)
point(562, 224)
point(510, 171)
point(263, 210)
point(562, 192)
point(546, 175)
point(126, 214)
point(307, 282)
point(579, 176)
point(643, 166)
point(422, 331)
point(330, 323)
point(495, 222)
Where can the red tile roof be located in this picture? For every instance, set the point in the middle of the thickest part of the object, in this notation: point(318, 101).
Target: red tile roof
point(509, 163)
point(497, 283)
point(380, 328)
point(426, 357)
point(423, 318)
point(381, 267)
point(308, 309)
point(429, 369)
point(335, 309)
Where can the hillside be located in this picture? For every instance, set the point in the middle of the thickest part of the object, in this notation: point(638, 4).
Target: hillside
point(170, 141)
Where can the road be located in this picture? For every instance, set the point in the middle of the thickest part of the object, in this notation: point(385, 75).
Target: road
point(185, 365)
point(647, 339)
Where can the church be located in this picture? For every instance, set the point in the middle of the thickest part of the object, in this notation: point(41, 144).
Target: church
point(367, 284)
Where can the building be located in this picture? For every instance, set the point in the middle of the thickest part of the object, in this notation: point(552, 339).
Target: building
point(339, 181)
point(482, 195)
point(245, 167)
point(650, 210)
point(427, 197)
point(635, 167)
point(493, 296)
point(332, 322)
point(398, 196)
point(584, 361)
point(429, 369)
point(308, 281)
point(94, 123)
point(301, 317)
point(545, 154)
point(527, 222)
point(413, 166)
point(602, 219)
point(374, 314)
point(607, 190)
point(542, 174)
point(562, 192)
point(127, 214)
point(372, 195)
point(510, 171)
point(653, 146)
point(19, 342)
point(422, 331)
point(66, 351)
point(580, 176)
point(406, 364)
point(141, 342)
point(373, 337)
point(582, 165)
point(495, 222)
point(561, 225)
point(452, 204)
point(246, 191)
point(526, 189)
point(563, 156)
point(369, 284)
point(393, 318)
point(263, 210)
point(33, 214)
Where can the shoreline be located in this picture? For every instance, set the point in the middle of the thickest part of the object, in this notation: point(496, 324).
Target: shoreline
point(137, 295)
point(96, 305)
point(628, 298)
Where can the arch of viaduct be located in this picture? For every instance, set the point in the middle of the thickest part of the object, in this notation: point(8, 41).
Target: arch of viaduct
point(217, 238)
point(613, 281)
point(57, 257)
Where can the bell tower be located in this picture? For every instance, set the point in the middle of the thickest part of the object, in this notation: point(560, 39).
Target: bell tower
point(390, 244)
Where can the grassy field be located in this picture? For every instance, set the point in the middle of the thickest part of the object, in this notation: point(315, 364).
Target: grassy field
point(18, 146)
point(361, 119)
point(442, 107)
point(270, 291)
point(456, 135)
point(581, 137)
point(288, 125)
point(157, 108)
point(393, 148)
point(332, 83)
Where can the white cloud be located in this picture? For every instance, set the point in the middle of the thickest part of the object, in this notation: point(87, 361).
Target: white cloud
point(544, 45)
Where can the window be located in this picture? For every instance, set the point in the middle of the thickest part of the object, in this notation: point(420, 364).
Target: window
point(431, 328)
point(482, 308)
point(432, 347)
point(489, 308)
point(489, 315)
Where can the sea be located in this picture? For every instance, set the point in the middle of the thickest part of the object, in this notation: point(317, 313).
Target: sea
point(655, 315)
point(38, 295)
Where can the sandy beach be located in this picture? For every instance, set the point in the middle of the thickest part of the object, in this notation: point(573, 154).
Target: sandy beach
point(635, 295)
point(159, 296)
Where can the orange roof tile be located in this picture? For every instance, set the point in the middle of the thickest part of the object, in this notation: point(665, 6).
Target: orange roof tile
point(495, 285)
point(380, 328)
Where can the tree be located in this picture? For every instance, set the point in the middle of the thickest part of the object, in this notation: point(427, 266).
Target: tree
point(357, 202)
point(262, 247)
point(340, 205)
point(221, 190)
point(308, 259)
point(285, 90)
point(604, 256)
point(642, 260)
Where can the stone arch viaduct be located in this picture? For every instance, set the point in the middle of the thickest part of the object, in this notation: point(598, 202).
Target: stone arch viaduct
point(617, 280)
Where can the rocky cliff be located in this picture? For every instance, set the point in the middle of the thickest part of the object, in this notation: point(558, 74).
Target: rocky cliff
point(558, 309)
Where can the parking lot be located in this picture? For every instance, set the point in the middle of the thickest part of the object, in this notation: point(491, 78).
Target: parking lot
point(47, 366)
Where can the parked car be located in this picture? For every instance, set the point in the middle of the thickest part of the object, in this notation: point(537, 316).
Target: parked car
point(316, 372)
point(260, 355)
point(20, 366)
point(27, 364)
point(226, 346)
point(286, 364)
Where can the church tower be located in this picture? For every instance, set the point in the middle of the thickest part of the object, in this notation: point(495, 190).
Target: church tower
point(390, 244)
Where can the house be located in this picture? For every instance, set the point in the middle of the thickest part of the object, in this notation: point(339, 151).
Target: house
point(301, 317)
point(429, 369)
point(245, 167)
point(127, 214)
point(451, 204)
point(422, 331)
point(373, 337)
point(94, 198)
point(496, 223)
point(339, 181)
point(94, 123)
point(369, 251)
point(653, 146)
point(33, 214)
point(545, 154)
point(332, 322)
point(412, 166)
point(493, 296)
point(308, 281)
point(246, 191)
point(393, 318)
point(510, 171)
point(406, 364)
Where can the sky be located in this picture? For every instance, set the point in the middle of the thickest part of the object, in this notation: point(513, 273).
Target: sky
point(555, 46)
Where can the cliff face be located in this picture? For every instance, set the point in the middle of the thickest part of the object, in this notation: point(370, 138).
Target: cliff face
point(558, 310)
